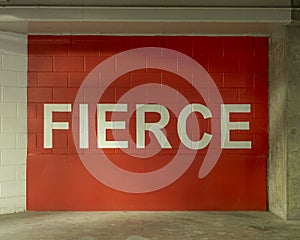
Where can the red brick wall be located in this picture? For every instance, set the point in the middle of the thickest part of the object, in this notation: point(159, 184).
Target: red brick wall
point(58, 180)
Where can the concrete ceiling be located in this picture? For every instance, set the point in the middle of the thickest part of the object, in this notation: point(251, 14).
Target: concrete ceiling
point(246, 17)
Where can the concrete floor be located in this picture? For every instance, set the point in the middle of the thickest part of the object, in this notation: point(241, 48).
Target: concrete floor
point(146, 225)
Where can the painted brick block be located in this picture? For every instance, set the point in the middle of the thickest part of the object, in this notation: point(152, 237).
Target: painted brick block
point(12, 204)
point(32, 141)
point(14, 94)
point(222, 64)
point(8, 78)
point(21, 79)
point(208, 46)
point(234, 46)
point(32, 79)
point(49, 49)
point(7, 205)
point(75, 79)
point(52, 79)
point(21, 141)
point(22, 110)
point(64, 94)
point(7, 140)
point(13, 44)
point(13, 125)
point(238, 80)
point(31, 110)
point(176, 44)
point(42, 94)
point(13, 157)
point(111, 46)
point(230, 95)
point(7, 173)
point(12, 189)
point(20, 173)
point(81, 49)
point(68, 64)
point(20, 203)
point(8, 109)
point(44, 63)
point(14, 62)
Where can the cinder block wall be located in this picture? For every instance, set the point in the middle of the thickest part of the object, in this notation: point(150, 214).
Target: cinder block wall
point(13, 122)
point(284, 123)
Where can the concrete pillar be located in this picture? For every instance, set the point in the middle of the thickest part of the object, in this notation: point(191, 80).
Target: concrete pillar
point(284, 116)
point(293, 123)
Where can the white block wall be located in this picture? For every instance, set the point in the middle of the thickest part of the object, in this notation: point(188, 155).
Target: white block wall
point(13, 122)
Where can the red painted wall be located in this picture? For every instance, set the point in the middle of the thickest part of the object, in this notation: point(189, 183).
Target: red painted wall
point(58, 180)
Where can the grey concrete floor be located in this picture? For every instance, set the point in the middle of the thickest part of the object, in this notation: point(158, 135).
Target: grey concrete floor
point(146, 225)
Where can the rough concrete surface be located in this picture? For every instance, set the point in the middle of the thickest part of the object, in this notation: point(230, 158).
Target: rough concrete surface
point(293, 123)
point(284, 123)
point(277, 162)
point(146, 225)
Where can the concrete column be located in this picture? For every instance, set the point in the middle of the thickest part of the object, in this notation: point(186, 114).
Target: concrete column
point(293, 123)
point(284, 116)
point(277, 138)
